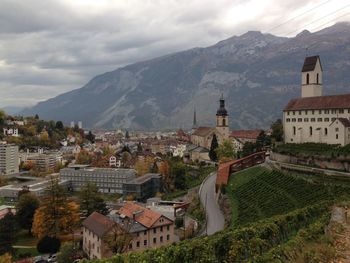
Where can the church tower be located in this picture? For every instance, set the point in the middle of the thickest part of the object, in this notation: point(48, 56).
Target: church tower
point(311, 77)
point(222, 119)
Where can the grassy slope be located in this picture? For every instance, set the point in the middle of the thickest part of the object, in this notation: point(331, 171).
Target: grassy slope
point(259, 193)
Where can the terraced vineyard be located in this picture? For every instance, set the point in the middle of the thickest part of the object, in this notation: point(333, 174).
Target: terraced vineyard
point(258, 193)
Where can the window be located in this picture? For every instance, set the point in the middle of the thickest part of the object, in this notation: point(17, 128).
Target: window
point(138, 234)
point(317, 78)
point(326, 111)
point(313, 119)
point(138, 244)
point(294, 120)
point(161, 229)
point(326, 119)
point(320, 111)
point(288, 120)
point(168, 228)
point(154, 230)
point(300, 119)
point(325, 131)
point(307, 78)
point(294, 130)
point(306, 119)
point(300, 112)
point(93, 245)
point(305, 112)
point(145, 242)
point(341, 111)
point(144, 232)
point(98, 249)
point(310, 129)
point(288, 112)
point(336, 136)
point(336, 129)
point(293, 112)
point(130, 246)
point(154, 240)
point(313, 112)
point(333, 111)
point(319, 119)
point(224, 122)
point(167, 237)
point(161, 239)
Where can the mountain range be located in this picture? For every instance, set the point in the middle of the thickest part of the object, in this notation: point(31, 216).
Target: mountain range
point(256, 73)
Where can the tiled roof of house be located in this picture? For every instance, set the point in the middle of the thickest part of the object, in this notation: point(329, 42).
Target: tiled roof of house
point(144, 216)
point(310, 63)
point(245, 134)
point(203, 131)
point(320, 102)
point(98, 224)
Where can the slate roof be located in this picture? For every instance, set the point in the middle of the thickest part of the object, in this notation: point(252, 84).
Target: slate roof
point(310, 63)
point(203, 131)
point(320, 102)
point(98, 224)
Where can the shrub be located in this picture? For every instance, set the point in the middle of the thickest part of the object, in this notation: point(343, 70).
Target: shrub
point(48, 245)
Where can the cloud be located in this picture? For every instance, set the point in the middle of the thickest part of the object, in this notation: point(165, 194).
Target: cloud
point(52, 46)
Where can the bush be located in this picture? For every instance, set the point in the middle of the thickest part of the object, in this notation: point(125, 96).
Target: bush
point(48, 245)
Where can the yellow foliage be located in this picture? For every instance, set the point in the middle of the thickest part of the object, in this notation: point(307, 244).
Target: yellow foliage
point(54, 221)
point(6, 258)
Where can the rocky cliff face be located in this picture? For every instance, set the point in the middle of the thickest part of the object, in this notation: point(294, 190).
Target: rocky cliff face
point(257, 73)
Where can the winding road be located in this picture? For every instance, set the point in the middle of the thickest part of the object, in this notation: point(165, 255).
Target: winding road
point(215, 217)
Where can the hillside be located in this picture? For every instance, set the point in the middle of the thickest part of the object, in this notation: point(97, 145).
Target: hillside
point(280, 218)
point(257, 73)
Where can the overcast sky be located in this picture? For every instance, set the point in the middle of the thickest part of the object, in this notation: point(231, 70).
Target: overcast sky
point(48, 47)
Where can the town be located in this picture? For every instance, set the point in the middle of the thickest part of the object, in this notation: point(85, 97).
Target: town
point(72, 193)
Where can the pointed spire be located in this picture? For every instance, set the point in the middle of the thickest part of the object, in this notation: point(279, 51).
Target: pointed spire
point(194, 118)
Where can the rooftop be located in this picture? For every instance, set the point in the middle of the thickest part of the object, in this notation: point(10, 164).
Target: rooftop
point(144, 178)
point(246, 134)
point(320, 102)
point(310, 63)
point(98, 224)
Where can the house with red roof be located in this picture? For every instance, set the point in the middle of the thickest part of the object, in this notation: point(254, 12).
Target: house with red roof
point(314, 117)
point(145, 227)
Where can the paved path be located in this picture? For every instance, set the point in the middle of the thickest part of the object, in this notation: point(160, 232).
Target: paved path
point(215, 217)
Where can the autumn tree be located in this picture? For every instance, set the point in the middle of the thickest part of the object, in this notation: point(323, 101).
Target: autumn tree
point(214, 145)
point(119, 237)
point(126, 157)
point(25, 209)
point(56, 214)
point(83, 157)
point(225, 151)
point(90, 200)
point(8, 231)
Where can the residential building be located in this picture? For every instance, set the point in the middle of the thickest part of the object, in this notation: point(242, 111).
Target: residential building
point(10, 132)
point(6, 209)
point(108, 180)
point(143, 187)
point(240, 137)
point(148, 229)
point(9, 161)
point(44, 162)
point(314, 117)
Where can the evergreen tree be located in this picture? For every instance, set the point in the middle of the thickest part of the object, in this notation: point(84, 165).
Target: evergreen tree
point(48, 245)
point(25, 209)
point(7, 233)
point(90, 137)
point(90, 200)
point(59, 125)
point(127, 136)
point(277, 130)
point(214, 145)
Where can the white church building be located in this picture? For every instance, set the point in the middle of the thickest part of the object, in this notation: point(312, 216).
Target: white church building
point(313, 117)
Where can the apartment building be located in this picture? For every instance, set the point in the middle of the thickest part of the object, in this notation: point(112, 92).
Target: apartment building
point(143, 187)
point(9, 161)
point(148, 229)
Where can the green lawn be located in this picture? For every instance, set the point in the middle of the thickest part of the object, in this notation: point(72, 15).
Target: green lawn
point(259, 193)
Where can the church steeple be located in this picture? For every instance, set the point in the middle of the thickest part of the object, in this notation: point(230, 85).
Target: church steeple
point(222, 119)
point(311, 77)
point(194, 126)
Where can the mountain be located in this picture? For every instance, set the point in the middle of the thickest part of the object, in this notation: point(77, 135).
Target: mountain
point(257, 73)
